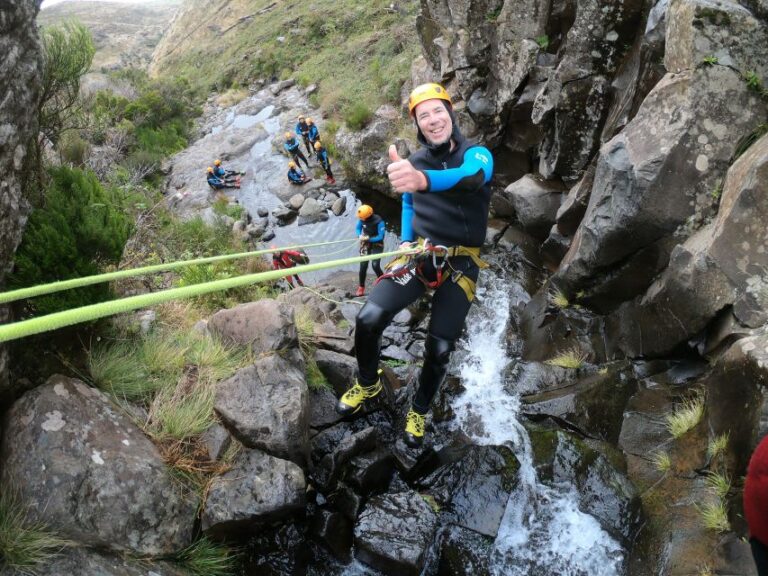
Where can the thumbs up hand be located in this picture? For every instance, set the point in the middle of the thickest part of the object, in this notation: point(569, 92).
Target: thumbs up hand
point(402, 175)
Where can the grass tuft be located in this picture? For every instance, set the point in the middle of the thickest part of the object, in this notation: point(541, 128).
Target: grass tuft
point(184, 412)
point(559, 299)
point(24, 545)
point(686, 416)
point(714, 516)
point(206, 558)
point(572, 358)
point(119, 371)
point(316, 380)
point(718, 445)
point(661, 461)
point(720, 484)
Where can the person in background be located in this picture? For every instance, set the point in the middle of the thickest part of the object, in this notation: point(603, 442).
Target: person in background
point(295, 175)
point(285, 259)
point(325, 162)
point(293, 148)
point(314, 133)
point(370, 232)
point(756, 505)
point(219, 183)
point(220, 172)
point(302, 129)
point(445, 200)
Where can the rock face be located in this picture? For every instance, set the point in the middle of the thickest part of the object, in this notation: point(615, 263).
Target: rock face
point(21, 61)
point(257, 490)
point(83, 469)
point(722, 265)
point(266, 406)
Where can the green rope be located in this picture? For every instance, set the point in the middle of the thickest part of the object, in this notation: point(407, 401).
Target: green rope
point(94, 311)
point(32, 291)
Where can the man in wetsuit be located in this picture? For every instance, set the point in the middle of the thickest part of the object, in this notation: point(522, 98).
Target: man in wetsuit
point(325, 162)
point(219, 183)
point(370, 231)
point(302, 129)
point(445, 200)
point(296, 176)
point(284, 259)
point(293, 148)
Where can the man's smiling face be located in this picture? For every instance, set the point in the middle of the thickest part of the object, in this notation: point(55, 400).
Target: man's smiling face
point(434, 121)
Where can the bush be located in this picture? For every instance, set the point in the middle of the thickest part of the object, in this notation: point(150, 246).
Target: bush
point(357, 116)
point(73, 149)
point(79, 231)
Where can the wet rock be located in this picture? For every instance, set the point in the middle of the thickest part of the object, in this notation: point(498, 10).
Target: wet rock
point(394, 532)
point(475, 489)
point(333, 448)
point(85, 561)
point(339, 369)
point(370, 472)
point(554, 248)
point(535, 203)
point(464, 553)
point(262, 212)
point(279, 551)
point(322, 409)
point(255, 230)
point(334, 530)
point(339, 206)
point(266, 325)
point(312, 211)
point(594, 404)
point(521, 243)
point(257, 490)
point(296, 201)
point(574, 206)
point(96, 466)
point(723, 264)
point(266, 406)
point(347, 501)
point(284, 215)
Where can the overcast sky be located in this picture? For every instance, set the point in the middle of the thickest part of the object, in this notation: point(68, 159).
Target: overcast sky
point(47, 3)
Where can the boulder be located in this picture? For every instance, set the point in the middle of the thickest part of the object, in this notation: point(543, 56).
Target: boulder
point(333, 448)
point(535, 202)
point(334, 530)
point(78, 464)
point(266, 406)
point(339, 206)
point(312, 211)
point(722, 265)
point(339, 369)
point(265, 325)
point(394, 533)
point(296, 201)
point(322, 409)
point(259, 489)
point(23, 62)
point(217, 441)
point(464, 553)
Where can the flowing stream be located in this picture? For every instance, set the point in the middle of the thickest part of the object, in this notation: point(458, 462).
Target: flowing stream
point(543, 532)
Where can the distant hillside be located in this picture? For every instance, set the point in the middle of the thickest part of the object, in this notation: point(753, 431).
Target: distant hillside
point(356, 51)
point(125, 34)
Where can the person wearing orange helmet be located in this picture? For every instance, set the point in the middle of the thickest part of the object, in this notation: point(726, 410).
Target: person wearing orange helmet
point(220, 172)
point(313, 135)
point(302, 129)
point(293, 148)
point(325, 162)
point(295, 175)
point(219, 183)
point(445, 201)
point(370, 232)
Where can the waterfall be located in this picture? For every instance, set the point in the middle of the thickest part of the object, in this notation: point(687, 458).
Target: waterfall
point(543, 532)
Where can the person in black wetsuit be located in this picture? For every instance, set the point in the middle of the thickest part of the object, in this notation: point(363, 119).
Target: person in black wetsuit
point(370, 231)
point(445, 200)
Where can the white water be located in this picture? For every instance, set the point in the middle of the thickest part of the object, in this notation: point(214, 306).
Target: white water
point(543, 532)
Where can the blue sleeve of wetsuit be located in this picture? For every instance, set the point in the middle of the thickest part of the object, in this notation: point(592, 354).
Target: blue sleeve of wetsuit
point(406, 218)
point(298, 130)
point(380, 230)
point(359, 227)
point(476, 170)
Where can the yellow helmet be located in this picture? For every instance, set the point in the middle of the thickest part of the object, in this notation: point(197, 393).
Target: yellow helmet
point(310, 121)
point(364, 212)
point(301, 117)
point(217, 162)
point(318, 145)
point(288, 135)
point(210, 169)
point(426, 92)
point(291, 164)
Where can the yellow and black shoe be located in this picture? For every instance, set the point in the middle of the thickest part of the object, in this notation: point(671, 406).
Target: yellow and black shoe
point(352, 400)
point(414, 429)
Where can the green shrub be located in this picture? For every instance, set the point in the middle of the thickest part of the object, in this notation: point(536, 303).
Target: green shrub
point(357, 115)
point(79, 231)
point(73, 149)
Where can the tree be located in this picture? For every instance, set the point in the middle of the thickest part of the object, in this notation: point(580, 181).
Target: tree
point(68, 51)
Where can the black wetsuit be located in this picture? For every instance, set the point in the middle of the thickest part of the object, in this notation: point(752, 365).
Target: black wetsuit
point(374, 228)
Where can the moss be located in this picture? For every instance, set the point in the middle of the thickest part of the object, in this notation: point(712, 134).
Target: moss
point(717, 17)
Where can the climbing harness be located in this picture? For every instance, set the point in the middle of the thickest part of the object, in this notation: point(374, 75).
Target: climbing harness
point(413, 265)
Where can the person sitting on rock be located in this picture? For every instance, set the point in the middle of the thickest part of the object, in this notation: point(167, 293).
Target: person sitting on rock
point(756, 505)
point(220, 172)
point(302, 129)
point(293, 148)
point(325, 162)
point(284, 259)
point(219, 183)
point(296, 176)
point(370, 231)
point(446, 197)
point(314, 133)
